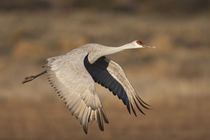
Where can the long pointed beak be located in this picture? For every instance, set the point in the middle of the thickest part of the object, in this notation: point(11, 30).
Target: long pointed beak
point(147, 46)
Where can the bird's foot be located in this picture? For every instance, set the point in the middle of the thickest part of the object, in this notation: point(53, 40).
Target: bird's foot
point(28, 79)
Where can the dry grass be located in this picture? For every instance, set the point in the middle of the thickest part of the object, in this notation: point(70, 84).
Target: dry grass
point(49, 119)
point(173, 78)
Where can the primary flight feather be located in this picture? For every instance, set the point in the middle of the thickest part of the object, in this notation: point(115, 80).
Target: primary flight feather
point(73, 76)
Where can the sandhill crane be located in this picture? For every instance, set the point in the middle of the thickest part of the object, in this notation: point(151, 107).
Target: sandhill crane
point(73, 75)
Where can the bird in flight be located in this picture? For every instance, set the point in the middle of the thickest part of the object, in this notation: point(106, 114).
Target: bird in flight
point(73, 75)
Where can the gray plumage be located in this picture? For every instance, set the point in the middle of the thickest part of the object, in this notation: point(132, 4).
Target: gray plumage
point(73, 76)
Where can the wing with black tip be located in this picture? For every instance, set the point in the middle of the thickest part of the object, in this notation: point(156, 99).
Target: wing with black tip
point(110, 75)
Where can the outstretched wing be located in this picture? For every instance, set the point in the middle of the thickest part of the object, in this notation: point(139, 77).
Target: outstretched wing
point(110, 75)
point(75, 86)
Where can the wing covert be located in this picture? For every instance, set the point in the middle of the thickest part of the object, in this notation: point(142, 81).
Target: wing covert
point(76, 88)
point(99, 73)
point(110, 75)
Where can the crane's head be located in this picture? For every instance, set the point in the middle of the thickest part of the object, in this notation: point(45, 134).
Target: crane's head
point(140, 44)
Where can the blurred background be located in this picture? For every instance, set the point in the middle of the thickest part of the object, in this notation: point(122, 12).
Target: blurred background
point(173, 78)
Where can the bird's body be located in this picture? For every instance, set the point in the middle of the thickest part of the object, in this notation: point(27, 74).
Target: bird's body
point(73, 76)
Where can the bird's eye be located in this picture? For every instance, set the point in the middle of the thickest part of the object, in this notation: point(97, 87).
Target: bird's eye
point(139, 42)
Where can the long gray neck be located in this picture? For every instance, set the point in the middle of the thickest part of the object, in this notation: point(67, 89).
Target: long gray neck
point(105, 50)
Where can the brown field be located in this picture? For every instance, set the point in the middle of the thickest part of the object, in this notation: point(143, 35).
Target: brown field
point(173, 78)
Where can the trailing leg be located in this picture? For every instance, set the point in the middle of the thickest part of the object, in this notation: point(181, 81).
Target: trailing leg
point(30, 78)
